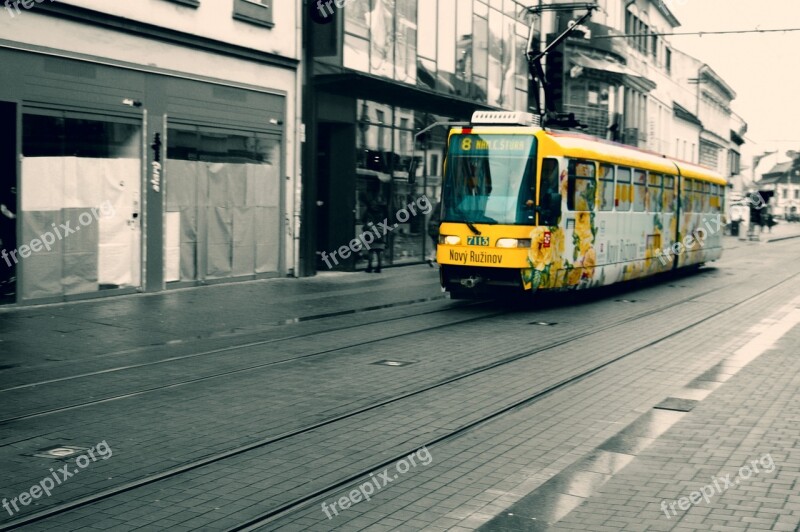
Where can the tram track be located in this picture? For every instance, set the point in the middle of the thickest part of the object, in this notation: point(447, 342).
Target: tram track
point(247, 345)
point(228, 349)
point(301, 502)
point(171, 385)
point(323, 493)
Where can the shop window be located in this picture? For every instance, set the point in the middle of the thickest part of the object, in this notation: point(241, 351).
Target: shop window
point(581, 186)
point(606, 190)
point(254, 11)
point(83, 171)
point(222, 216)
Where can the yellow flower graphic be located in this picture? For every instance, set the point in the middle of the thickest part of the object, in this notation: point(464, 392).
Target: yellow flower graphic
point(540, 256)
point(574, 276)
point(563, 188)
point(557, 242)
point(589, 262)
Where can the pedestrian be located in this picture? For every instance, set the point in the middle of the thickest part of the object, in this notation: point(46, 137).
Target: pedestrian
point(433, 230)
point(766, 219)
point(373, 215)
point(8, 228)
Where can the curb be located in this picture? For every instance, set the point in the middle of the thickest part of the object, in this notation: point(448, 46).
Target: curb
point(782, 238)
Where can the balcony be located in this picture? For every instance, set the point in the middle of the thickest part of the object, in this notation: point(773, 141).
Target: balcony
point(594, 117)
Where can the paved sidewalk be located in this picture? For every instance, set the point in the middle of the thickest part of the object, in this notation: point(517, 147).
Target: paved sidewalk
point(731, 463)
point(783, 231)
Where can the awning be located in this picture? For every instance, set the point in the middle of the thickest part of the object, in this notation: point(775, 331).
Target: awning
point(370, 87)
point(383, 177)
point(598, 64)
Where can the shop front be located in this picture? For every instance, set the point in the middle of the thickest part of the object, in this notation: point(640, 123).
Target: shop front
point(117, 180)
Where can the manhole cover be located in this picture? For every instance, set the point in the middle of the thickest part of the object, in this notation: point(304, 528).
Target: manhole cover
point(392, 363)
point(62, 451)
point(678, 405)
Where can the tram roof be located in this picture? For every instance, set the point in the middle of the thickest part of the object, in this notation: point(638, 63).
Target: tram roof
point(580, 145)
point(585, 146)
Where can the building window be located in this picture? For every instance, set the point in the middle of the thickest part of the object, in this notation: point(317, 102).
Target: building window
point(785, 193)
point(668, 61)
point(254, 11)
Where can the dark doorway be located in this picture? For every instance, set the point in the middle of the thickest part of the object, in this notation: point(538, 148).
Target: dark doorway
point(8, 201)
point(336, 190)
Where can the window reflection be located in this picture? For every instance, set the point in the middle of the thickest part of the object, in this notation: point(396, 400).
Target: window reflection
point(386, 147)
point(382, 38)
point(478, 54)
point(480, 44)
point(356, 53)
point(496, 57)
point(426, 40)
point(406, 41)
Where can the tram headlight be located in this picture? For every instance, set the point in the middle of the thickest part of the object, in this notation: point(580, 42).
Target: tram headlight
point(449, 240)
point(513, 242)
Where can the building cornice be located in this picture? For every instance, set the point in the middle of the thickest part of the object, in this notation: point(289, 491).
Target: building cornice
point(168, 35)
point(664, 10)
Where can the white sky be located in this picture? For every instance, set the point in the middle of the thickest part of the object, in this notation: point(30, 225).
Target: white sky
point(763, 69)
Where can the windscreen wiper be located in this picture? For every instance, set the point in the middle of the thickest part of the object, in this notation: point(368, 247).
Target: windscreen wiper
point(469, 224)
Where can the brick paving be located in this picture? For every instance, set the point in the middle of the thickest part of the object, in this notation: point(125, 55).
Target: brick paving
point(755, 415)
point(471, 479)
point(522, 452)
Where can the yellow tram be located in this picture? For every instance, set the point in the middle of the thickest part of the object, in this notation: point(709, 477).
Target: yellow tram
point(529, 209)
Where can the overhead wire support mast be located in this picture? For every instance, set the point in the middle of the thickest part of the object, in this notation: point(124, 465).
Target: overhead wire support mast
point(540, 78)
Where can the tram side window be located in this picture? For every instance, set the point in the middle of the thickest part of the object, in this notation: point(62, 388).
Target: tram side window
point(687, 196)
point(698, 196)
point(639, 190)
point(654, 193)
point(713, 198)
point(706, 197)
point(606, 191)
point(549, 197)
point(582, 185)
point(716, 198)
point(669, 193)
point(623, 198)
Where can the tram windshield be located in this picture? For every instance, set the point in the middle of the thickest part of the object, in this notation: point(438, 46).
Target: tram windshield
point(490, 179)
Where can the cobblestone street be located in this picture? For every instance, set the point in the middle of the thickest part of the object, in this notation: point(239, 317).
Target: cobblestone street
point(356, 401)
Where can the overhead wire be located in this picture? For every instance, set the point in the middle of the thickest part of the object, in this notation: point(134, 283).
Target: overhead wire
point(698, 33)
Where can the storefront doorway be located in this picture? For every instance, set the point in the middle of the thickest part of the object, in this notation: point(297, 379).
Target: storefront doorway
point(80, 203)
point(223, 218)
point(8, 200)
